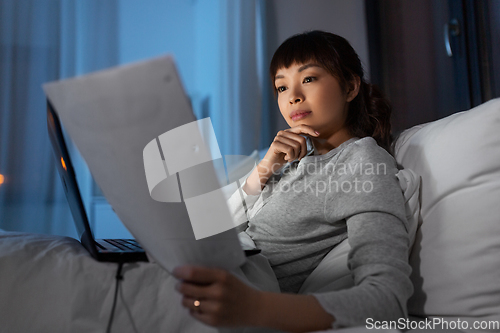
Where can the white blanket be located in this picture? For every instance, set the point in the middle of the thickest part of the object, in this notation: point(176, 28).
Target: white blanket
point(51, 284)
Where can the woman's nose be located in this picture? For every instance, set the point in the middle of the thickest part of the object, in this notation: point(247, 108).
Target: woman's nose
point(296, 96)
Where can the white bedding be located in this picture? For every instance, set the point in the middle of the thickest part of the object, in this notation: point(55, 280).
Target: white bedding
point(51, 284)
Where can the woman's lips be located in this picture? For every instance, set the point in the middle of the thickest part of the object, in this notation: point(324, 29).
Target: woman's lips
point(300, 115)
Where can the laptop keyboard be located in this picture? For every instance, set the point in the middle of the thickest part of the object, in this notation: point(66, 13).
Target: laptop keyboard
point(125, 245)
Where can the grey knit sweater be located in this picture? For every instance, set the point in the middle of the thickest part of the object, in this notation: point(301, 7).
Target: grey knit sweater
point(312, 205)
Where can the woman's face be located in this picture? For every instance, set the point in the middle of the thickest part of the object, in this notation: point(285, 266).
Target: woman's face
point(308, 94)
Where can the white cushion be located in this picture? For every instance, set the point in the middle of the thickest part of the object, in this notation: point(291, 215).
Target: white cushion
point(456, 257)
point(52, 284)
point(332, 273)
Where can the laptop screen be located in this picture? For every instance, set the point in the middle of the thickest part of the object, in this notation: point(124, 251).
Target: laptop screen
point(67, 173)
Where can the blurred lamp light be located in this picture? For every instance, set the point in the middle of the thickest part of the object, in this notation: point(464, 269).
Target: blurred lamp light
point(63, 163)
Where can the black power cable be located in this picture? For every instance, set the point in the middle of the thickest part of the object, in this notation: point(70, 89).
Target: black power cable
point(119, 278)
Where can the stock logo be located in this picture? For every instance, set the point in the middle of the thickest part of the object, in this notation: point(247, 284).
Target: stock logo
point(184, 165)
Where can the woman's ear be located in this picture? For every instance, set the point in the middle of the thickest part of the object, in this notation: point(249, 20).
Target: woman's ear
point(353, 88)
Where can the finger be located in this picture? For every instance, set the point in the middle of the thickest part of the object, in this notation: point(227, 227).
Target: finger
point(197, 274)
point(194, 303)
point(297, 141)
point(208, 312)
point(305, 129)
point(204, 317)
point(301, 138)
point(204, 305)
point(304, 151)
point(302, 129)
point(280, 147)
point(293, 144)
point(195, 290)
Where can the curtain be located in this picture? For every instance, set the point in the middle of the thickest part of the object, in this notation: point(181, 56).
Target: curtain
point(232, 73)
point(46, 40)
point(41, 41)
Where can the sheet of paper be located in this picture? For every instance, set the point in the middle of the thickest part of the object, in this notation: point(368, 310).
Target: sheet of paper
point(112, 116)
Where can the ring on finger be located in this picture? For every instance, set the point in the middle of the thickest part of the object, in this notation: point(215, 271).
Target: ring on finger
point(197, 305)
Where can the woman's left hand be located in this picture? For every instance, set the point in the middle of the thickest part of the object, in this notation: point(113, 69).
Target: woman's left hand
point(216, 297)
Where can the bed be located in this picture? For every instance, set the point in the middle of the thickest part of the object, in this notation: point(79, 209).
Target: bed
point(51, 284)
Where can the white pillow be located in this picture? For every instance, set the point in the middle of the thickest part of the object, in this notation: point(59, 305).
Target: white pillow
point(456, 257)
point(410, 185)
point(332, 273)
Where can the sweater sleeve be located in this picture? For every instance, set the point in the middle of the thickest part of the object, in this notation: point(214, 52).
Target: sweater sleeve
point(378, 236)
point(378, 262)
point(239, 204)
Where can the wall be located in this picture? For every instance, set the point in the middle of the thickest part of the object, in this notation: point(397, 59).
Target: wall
point(344, 18)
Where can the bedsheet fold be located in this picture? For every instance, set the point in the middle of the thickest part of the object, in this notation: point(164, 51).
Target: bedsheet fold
point(51, 284)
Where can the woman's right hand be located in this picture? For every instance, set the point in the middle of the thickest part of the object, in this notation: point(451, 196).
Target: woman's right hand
point(287, 146)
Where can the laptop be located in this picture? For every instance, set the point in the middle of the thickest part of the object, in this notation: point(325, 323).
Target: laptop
point(113, 250)
point(111, 116)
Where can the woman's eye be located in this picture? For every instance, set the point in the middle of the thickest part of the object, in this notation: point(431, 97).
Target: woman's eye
point(309, 79)
point(280, 89)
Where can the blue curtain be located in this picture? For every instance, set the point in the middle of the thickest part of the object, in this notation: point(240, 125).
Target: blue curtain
point(221, 54)
point(232, 73)
point(41, 41)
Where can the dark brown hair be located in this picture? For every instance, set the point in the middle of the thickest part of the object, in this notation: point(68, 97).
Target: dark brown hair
point(369, 112)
